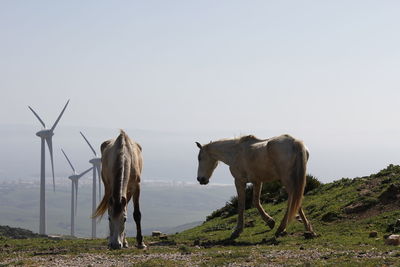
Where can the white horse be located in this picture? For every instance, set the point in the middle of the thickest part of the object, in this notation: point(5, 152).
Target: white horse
point(252, 160)
point(121, 168)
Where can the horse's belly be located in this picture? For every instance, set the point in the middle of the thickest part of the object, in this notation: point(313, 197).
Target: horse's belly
point(263, 174)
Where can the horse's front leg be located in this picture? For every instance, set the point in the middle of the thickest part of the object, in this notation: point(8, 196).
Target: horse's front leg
point(241, 191)
point(125, 242)
point(137, 216)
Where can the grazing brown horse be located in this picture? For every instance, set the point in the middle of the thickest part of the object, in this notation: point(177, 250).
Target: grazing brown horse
point(121, 168)
point(252, 160)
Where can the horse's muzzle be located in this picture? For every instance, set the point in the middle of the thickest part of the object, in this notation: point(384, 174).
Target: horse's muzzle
point(202, 180)
point(115, 245)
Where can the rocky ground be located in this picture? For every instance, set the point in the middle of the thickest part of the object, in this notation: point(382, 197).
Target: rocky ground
point(257, 255)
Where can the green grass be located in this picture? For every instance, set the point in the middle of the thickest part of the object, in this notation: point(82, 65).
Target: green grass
point(343, 237)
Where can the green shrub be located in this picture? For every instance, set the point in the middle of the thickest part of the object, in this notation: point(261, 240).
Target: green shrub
point(391, 169)
point(272, 192)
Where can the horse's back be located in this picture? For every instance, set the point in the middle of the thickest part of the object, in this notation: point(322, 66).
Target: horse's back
point(111, 149)
point(268, 158)
point(284, 147)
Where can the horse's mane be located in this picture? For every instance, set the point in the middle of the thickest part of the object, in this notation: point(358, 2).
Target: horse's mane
point(122, 171)
point(120, 144)
point(119, 171)
point(246, 138)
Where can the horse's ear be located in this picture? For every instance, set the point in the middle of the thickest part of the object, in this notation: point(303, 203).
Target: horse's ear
point(139, 146)
point(199, 145)
point(104, 145)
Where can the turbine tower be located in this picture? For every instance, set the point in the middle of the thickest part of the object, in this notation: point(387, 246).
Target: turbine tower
point(74, 192)
point(96, 162)
point(45, 136)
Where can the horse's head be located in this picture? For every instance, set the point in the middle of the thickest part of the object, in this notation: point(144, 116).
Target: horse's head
point(207, 165)
point(117, 218)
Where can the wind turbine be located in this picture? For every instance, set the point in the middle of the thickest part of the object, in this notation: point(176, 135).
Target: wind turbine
point(96, 162)
point(74, 192)
point(46, 136)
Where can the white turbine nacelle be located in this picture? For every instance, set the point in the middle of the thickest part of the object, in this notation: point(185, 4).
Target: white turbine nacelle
point(46, 137)
point(45, 133)
point(96, 161)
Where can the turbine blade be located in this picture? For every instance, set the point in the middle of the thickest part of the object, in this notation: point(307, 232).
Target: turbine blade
point(84, 137)
point(70, 164)
point(83, 173)
point(37, 116)
point(76, 197)
point(50, 145)
point(99, 176)
point(59, 117)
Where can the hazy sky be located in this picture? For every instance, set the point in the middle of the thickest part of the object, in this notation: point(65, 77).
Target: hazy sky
point(326, 72)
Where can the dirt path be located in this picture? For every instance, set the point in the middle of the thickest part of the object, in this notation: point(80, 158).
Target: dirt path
point(223, 257)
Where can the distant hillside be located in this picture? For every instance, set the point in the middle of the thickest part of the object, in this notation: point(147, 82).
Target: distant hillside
point(345, 207)
point(162, 206)
point(16, 233)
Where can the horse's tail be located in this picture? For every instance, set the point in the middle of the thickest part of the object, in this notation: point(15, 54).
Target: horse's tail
point(102, 207)
point(298, 177)
point(119, 178)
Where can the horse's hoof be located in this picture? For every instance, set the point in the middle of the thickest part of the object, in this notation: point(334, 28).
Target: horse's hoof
point(141, 246)
point(235, 234)
point(281, 233)
point(115, 245)
point(309, 235)
point(271, 223)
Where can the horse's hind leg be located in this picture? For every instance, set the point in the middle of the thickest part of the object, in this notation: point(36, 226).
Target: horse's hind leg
point(257, 186)
point(282, 227)
point(137, 216)
point(307, 224)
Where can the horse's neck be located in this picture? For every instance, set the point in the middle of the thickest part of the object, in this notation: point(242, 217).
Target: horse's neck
point(224, 150)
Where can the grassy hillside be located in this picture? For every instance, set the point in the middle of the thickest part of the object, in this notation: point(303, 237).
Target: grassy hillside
point(371, 202)
point(343, 214)
point(163, 207)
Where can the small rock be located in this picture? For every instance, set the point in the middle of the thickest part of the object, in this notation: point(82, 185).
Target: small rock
point(373, 234)
point(156, 233)
point(358, 207)
point(271, 241)
point(163, 237)
point(365, 192)
point(393, 240)
point(301, 248)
